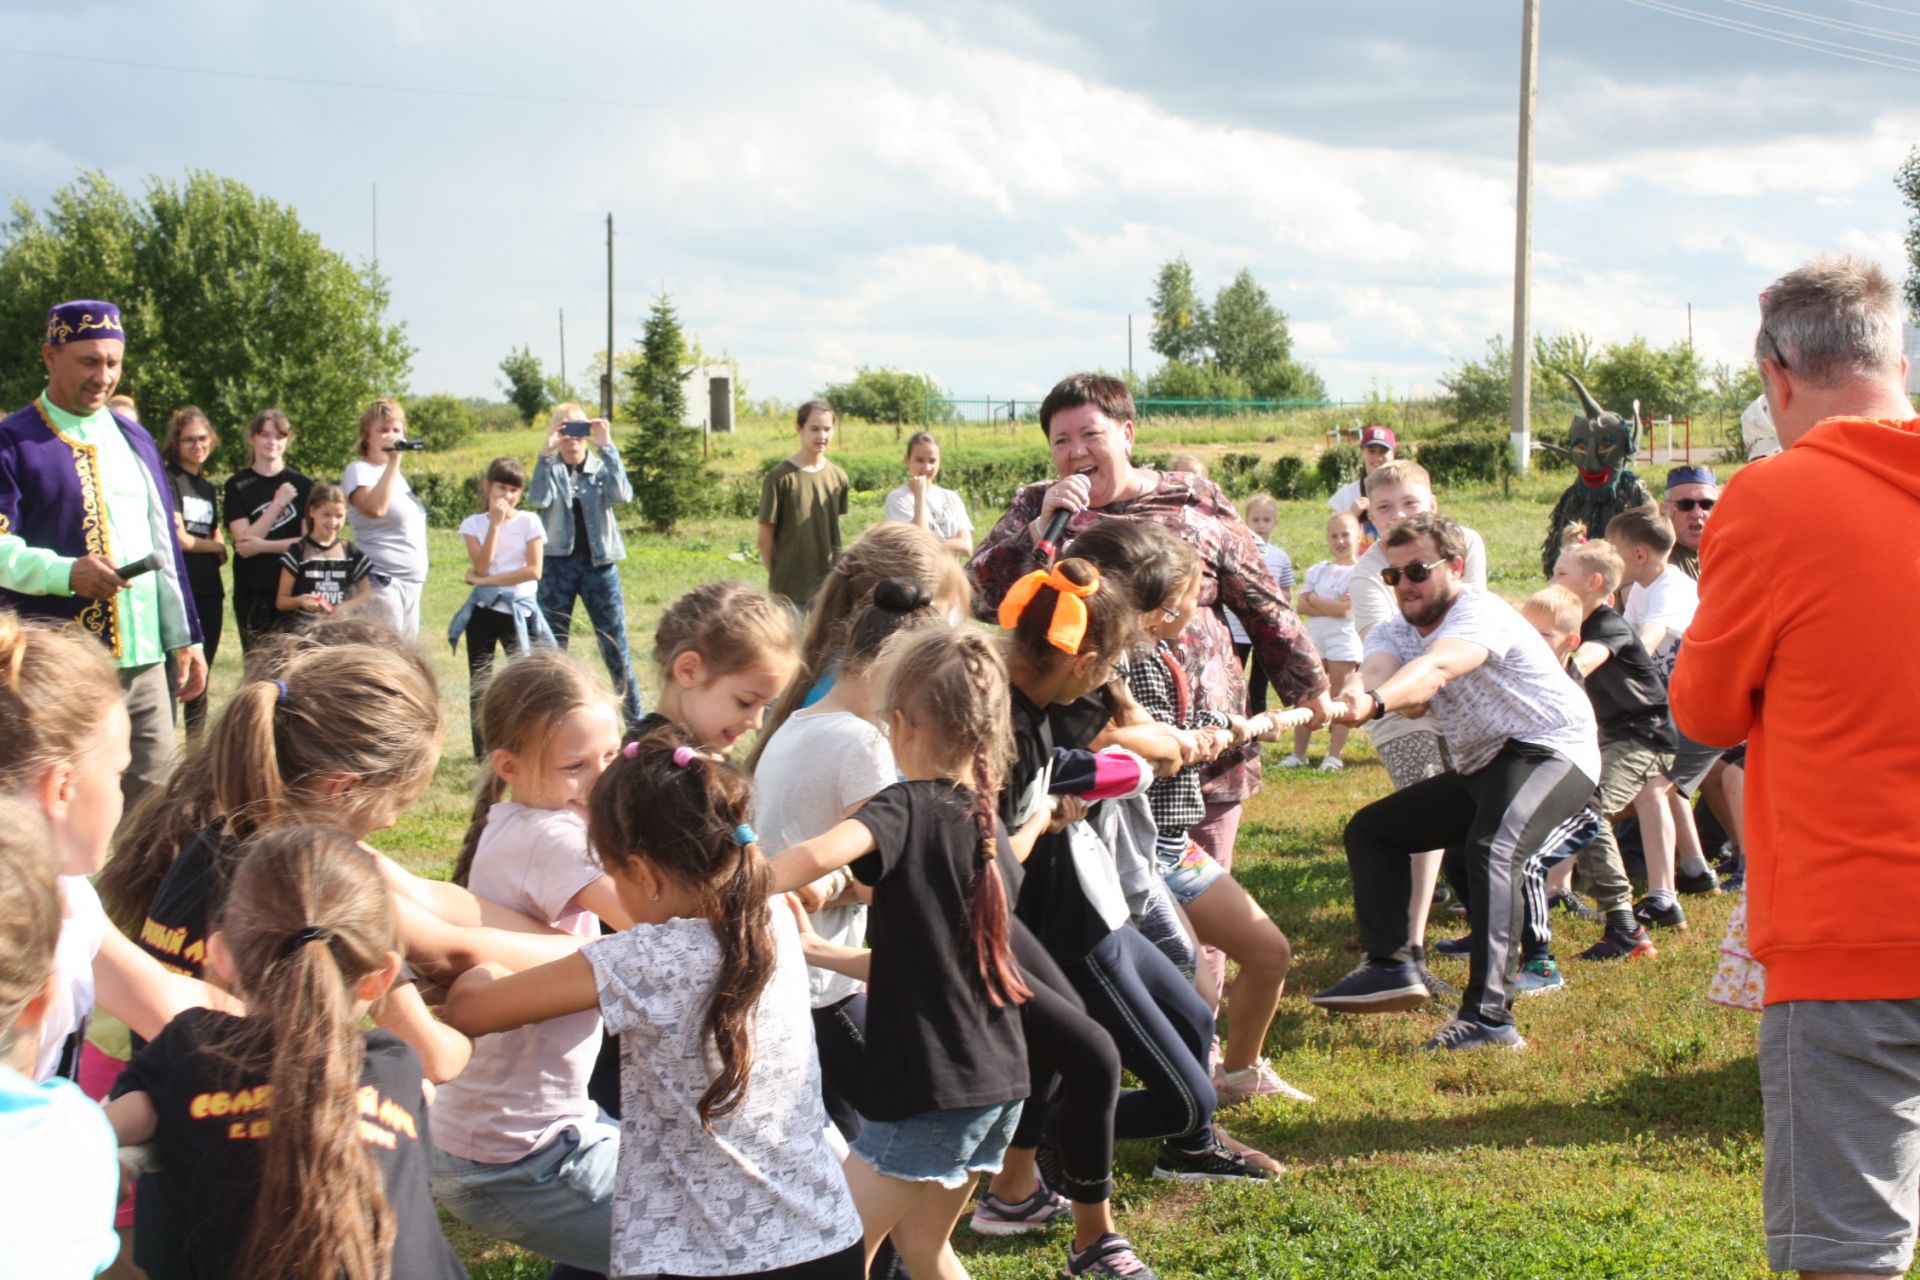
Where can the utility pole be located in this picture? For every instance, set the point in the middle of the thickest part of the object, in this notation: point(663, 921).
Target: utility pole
point(606, 379)
point(1523, 241)
point(563, 346)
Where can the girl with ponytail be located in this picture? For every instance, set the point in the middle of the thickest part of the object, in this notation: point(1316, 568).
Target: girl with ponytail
point(946, 1057)
point(521, 1151)
point(720, 1091)
point(1068, 628)
point(290, 1142)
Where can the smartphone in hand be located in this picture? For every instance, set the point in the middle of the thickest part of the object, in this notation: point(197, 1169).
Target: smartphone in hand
point(578, 430)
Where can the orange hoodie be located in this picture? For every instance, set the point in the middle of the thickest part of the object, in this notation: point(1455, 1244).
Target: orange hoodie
point(1805, 648)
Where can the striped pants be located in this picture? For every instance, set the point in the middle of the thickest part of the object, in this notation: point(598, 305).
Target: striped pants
point(1500, 814)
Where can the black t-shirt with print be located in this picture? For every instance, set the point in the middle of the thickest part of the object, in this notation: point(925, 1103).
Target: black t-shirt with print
point(332, 578)
point(195, 498)
point(248, 494)
point(934, 1039)
point(1629, 697)
point(195, 1211)
point(188, 901)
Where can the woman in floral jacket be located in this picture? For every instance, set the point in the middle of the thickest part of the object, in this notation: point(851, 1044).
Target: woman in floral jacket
point(1088, 419)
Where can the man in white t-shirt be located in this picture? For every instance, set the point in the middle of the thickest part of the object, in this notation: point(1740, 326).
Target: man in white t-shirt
point(1410, 749)
point(1526, 759)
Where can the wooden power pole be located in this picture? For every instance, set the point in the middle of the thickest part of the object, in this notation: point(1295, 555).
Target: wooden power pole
point(606, 380)
point(1523, 241)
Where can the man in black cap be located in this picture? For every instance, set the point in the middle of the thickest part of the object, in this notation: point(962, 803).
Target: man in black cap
point(82, 496)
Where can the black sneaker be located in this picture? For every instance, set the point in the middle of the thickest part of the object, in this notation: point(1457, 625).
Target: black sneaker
point(1460, 946)
point(1576, 906)
point(1375, 987)
point(1110, 1255)
point(1439, 989)
point(1707, 882)
point(1672, 916)
point(1218, 1163)
point(1615, 945)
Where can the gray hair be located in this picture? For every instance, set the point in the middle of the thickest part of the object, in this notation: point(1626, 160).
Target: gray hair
point(1831, 321)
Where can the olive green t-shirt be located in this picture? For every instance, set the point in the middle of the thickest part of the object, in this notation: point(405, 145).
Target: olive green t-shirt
point(804, 508)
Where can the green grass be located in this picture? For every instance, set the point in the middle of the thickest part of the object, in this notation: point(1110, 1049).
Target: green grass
point(1624, 1143)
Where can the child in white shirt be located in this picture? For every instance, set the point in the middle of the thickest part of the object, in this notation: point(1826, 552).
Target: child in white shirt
point(1326, 605)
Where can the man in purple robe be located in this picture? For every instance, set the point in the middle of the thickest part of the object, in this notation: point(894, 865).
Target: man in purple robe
point(82, 496)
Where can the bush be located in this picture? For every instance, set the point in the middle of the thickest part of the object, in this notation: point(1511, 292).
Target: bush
point(1338, 464)
point(441, 420)
point(1466, 458)
point(1237, 473)
point(888, 395)
point(448, 499)
point(1288, 478)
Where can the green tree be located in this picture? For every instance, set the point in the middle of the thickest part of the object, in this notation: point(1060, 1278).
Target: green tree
point(1667, 382)
point(528, 388)
point(1249, 332)
point(887, 395)
point(443, 421)
point(1481, 391)
point(229, 304)
point(1180, 323)
point(664, 459)
point(1908, 181)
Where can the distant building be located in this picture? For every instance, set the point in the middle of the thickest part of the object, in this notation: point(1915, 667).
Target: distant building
point(709, 394)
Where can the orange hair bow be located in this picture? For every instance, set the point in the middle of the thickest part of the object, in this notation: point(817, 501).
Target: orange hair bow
point(1069, 625)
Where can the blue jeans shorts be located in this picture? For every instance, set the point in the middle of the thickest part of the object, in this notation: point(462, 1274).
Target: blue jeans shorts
point(558, 1201)
point(946, 1147)
point(1189, 874)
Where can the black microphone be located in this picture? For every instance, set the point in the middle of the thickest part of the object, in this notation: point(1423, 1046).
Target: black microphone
point(1045, 549)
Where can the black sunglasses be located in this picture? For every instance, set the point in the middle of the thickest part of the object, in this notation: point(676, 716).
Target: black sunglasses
point(1688, 504)
point(1415, 573)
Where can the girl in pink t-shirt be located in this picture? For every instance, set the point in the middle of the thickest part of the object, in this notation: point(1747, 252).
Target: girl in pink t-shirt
point(522, 1152)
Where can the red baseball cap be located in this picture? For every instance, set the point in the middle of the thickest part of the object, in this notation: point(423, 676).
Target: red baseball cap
point(1382, 436)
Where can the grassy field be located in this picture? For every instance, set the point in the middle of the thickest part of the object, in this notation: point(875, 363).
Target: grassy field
point(1624, 1143)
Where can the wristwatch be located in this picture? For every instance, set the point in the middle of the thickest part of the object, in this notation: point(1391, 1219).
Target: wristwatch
point(1379, 704)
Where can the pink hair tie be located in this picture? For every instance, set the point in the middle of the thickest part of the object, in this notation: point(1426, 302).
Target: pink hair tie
point(684, 756)
point(631, 750)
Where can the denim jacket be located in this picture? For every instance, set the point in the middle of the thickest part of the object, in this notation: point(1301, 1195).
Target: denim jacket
point(602, 482)
point(529, 622)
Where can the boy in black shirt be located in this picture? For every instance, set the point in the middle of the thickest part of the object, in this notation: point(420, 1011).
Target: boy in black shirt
point(1637, 739)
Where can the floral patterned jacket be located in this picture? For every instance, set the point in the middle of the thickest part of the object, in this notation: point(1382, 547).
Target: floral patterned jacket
point(1236, 578)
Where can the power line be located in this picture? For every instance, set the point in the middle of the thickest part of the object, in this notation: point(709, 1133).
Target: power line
point(483, 95)
point(1819, 20)
point(1850, 53)
point(1887, 8)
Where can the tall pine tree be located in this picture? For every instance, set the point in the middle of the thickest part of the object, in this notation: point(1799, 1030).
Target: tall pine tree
point(664, 461)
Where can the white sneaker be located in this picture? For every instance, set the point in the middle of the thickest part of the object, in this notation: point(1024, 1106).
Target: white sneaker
point(1257, 1081)
point(1332, 764)
point(1292, 761)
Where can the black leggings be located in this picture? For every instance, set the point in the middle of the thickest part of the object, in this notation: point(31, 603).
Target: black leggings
point(212, 609)
point(255, 615)
point(1067, 1048)
point(1163, 1030)
point(1256, 678)
point(487, 629)
point(848, 1264)
point(1501, 814)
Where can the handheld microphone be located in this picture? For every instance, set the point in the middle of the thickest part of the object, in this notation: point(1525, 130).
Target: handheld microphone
point(1045, 549)
point(145, 564)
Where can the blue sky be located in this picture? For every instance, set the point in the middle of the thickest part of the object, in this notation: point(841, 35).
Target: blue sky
point(983, 191)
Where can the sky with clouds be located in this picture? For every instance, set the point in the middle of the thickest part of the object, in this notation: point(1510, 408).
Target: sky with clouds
point(983, 191)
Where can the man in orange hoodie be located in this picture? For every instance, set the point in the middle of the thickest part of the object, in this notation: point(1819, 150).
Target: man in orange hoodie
point(1782, 654)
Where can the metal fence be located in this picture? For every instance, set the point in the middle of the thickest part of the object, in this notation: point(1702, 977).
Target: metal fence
point(1012, 412)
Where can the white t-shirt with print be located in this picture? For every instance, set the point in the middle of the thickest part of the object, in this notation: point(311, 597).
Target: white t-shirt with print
point(1374, 603)
point(946, 511)
point(524, 1087)
point(397, 541)
point(815, 767)
point(517, 532)
point(82, 929)
point(764, 1190)
point(1519, 692)
point(1669, 600)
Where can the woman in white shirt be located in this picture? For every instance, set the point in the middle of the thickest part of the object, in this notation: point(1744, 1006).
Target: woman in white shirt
point(941, 512)
point(389, 523)
point(1376, 450)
